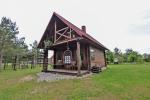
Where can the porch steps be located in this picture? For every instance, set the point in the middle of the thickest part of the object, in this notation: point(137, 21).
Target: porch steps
point(67, 72)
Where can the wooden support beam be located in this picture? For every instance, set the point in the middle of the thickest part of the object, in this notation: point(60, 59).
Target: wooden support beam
point(62, 35)
point(89, 58)
point(70, 32)
point(65, 41)
point(62, 29)
point(54, 59)
point(78, 58)
point(55, 26)
point(45, 60)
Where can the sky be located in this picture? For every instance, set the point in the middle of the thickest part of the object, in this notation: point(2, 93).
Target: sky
point(114, 23)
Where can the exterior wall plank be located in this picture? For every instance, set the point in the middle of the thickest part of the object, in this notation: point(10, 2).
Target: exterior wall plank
point(99, 58)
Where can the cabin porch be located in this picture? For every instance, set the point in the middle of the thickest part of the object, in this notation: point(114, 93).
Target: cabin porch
point(79, 63)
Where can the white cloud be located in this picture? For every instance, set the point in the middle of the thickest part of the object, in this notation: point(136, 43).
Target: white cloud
point(112, 22)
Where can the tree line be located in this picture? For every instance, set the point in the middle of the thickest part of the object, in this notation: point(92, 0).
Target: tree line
point(13, 48)
point(129, 56)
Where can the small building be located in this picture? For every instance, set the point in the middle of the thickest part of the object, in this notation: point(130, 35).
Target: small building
point(74, 49)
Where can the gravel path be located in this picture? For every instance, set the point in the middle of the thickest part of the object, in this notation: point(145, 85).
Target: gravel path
point(50, 77)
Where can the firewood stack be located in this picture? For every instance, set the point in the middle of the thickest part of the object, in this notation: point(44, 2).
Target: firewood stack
point(96, 69)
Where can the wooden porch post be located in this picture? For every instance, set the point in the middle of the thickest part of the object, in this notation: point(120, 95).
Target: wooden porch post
point(54, 59)
point(89, 59)
point(45, 60)
point(78, 58)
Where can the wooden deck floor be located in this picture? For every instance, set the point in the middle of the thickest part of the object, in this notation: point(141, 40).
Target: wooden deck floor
point(67, 72)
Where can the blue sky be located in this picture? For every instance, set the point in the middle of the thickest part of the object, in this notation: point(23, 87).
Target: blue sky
point(114, 23)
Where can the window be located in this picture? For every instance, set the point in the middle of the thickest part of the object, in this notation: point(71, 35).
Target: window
point(67, 57)
point(92, 52)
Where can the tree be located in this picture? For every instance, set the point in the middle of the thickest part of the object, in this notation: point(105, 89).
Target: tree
point(8, 30)
point(146, 57)
point(110, 56)
point(133, 56)
point(10, 44)
point(117, 55)
point(19, 50)
point(34, 53)
point(116, 51)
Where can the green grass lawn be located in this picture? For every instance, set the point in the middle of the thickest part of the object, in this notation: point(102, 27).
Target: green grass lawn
point(118, 82)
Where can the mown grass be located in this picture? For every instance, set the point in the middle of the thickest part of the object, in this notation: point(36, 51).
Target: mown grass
point(118, 82)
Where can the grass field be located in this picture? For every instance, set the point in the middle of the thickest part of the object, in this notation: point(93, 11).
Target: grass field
point(118, 82)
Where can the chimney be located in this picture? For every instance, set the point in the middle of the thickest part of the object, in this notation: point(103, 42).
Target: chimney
point(83, 28)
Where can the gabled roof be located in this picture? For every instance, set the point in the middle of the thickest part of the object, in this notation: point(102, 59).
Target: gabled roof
point(76, 29)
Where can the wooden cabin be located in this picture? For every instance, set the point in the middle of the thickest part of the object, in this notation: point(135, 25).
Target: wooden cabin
point(74, 49)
